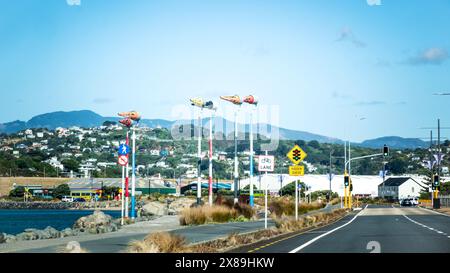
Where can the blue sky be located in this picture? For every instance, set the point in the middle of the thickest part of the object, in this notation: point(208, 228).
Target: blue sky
point(325, 63)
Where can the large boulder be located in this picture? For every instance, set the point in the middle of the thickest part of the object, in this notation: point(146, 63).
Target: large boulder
point(154, 208)
point(179, 205)
point(98, 222)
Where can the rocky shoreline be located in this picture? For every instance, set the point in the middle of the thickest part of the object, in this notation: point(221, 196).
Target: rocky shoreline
point(96, 223)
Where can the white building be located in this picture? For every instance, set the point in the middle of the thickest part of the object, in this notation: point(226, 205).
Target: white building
point(400, 187)
point(362, 184)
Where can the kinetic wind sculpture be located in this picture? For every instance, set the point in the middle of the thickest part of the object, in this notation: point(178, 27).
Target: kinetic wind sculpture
point(129, 117)
point(252, 101)
point(210, 106)
point(236, 100)
point(233, 99)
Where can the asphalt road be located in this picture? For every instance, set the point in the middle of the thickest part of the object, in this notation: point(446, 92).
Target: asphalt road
point(383, 229)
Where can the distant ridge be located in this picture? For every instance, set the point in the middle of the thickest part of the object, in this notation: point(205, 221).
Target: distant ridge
point(87, 118)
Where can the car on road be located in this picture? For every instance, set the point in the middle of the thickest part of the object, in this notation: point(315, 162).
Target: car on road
point(79, 200)
point(406, 203)
point(66, 198)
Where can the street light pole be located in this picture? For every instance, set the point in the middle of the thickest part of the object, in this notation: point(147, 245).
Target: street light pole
point(236, 170)
point(199, 154)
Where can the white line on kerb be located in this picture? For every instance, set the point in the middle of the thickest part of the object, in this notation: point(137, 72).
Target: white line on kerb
point(325, 234)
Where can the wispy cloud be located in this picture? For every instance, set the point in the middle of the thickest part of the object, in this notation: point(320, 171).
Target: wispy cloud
point(374, 2)
point(102, 100)
point(346, 35)
point(434, 55)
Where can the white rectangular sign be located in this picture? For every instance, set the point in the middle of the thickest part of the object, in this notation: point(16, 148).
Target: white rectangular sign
point(266, 163)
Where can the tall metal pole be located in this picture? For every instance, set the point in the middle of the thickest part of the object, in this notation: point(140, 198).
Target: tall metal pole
point(296, 200)
point(431, 165)
point(127, 171)
point(133, 177)
point(329, 175)
point(252, 201)
point(265, 199)
point(210, 187)
point(236, 171)
point(350, 176)
point(345, 173)
point(439, 156)
point(199, 153)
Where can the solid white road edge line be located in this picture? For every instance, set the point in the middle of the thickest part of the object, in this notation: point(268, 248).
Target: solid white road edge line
point(436, 212)
point(325, 234)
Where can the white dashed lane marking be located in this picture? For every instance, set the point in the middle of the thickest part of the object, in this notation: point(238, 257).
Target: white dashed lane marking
point(425, 226)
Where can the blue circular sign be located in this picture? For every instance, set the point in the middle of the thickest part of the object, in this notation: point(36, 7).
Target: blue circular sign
point(124, 149)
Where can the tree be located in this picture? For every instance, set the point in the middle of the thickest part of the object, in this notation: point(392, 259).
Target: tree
point(71, 164)
point(289, 189)
point(109, 123)
point(61, 190)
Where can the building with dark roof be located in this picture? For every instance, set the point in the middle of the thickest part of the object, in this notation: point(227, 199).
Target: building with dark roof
point(399, 188)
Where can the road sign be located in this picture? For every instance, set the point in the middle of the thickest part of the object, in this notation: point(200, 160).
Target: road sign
point(266, 163)
point(124, 149)
point(297, 170)
point(296, 155)
point(123, 160)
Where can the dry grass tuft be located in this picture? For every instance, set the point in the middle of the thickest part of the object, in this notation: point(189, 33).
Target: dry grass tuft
point(72, 247)
point(160, 242)
point(213, 214)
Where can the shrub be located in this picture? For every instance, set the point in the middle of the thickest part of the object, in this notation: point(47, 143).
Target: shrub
point(160, 242)
point(244, 210)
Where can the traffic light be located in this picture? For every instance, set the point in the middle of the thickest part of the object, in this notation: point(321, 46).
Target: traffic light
point(346, 180)
point(351, 187)
point(385, 150)
point(436, 181)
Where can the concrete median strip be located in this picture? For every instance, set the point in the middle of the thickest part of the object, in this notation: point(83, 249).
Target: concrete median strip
point(325, 234)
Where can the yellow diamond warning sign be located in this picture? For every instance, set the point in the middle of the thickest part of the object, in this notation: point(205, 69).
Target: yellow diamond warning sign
point(297, 170)
point(296, 155)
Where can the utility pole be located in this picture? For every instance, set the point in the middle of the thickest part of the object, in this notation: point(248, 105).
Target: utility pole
point(329, 174)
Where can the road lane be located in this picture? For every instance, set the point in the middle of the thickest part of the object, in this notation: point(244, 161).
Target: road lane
point(387, 227)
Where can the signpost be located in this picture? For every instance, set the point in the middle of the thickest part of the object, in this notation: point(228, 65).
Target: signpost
point(266, 164)
point(296, 155)
point(123, 160)
point(296, 170)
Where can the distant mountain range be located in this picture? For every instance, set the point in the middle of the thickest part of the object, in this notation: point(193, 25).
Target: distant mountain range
point(86, 118)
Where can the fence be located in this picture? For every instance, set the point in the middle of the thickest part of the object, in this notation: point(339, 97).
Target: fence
point(445, 201)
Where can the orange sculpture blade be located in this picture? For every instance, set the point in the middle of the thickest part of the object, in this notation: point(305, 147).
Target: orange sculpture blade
point(233, 99)
point(131, 114)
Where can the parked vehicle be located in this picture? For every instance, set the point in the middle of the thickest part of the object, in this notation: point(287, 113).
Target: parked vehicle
point(66, 198)
point(79, 200)
point(406, 203)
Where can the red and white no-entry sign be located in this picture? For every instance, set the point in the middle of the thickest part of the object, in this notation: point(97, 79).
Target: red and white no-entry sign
point(123, 160)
